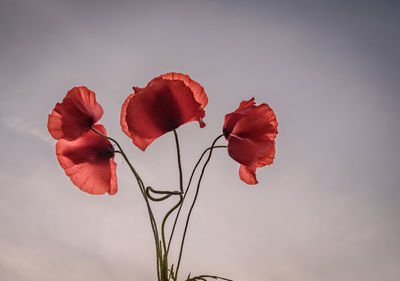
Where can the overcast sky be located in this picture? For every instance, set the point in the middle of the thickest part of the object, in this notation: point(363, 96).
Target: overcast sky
point(326, 210)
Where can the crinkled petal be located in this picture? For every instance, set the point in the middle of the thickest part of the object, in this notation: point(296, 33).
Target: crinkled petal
point(246, 105)
point(54, 125)
point(268, 155)
point(243, 151)
point(265, 112)
point(230, 121)
point(232, 118)
point(247, 175)
point(88, 161)
point(266, 118)
point(138, 140)
point(75, 115)
point(251, 153)
point(251, 131)
point(255, 127)
point(198, 91)
point(162, 106)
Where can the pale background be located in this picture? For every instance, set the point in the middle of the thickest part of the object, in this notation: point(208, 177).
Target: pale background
point(326, 210)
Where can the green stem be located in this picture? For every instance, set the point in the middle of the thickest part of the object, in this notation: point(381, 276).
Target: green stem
point(168, 194)
point(142, 189)
point(186, 191)
point(202, 277)
point(193, 203)
point(178, 152)
point(165, 220)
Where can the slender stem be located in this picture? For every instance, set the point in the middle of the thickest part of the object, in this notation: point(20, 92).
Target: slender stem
point(202, 277)
point(179, 161)
point(142, 189)
point(167, 194)
point(194, 201)
point(187, 189)
point(165, 220)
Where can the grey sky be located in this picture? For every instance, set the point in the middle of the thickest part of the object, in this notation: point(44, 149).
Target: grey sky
point(326, 210)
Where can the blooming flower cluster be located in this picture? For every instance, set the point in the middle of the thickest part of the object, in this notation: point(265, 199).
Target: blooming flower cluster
point(86, 157)
point(86, 153)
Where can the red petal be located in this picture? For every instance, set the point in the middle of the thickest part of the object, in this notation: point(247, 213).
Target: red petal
point(88, 161)
point(254, 127)
point(250, 152)
point(247, 109)
point(265, 112)
point(198, 91)
point(267, 158)
point(75, 115)
point(246, 104)
point(251, 131)
point(247, 175)
point(243, 151)
point(232, 118)
point(139, 141)
point(162, 106)
point(54, 125)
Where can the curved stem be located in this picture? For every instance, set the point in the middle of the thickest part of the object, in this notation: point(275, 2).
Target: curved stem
point(167, 194)
point(187, 189)
point(193, 203)
point(166, 250)
point(202, 277)
point(142, 189)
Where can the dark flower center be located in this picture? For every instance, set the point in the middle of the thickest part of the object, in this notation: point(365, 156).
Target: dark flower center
point(105, 154)
point(89, 121)
point(91, 154)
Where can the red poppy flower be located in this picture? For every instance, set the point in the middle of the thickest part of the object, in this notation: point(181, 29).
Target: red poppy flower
point(89, 162)
point(167, 102)
point(75, 115)
point(251, 131)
